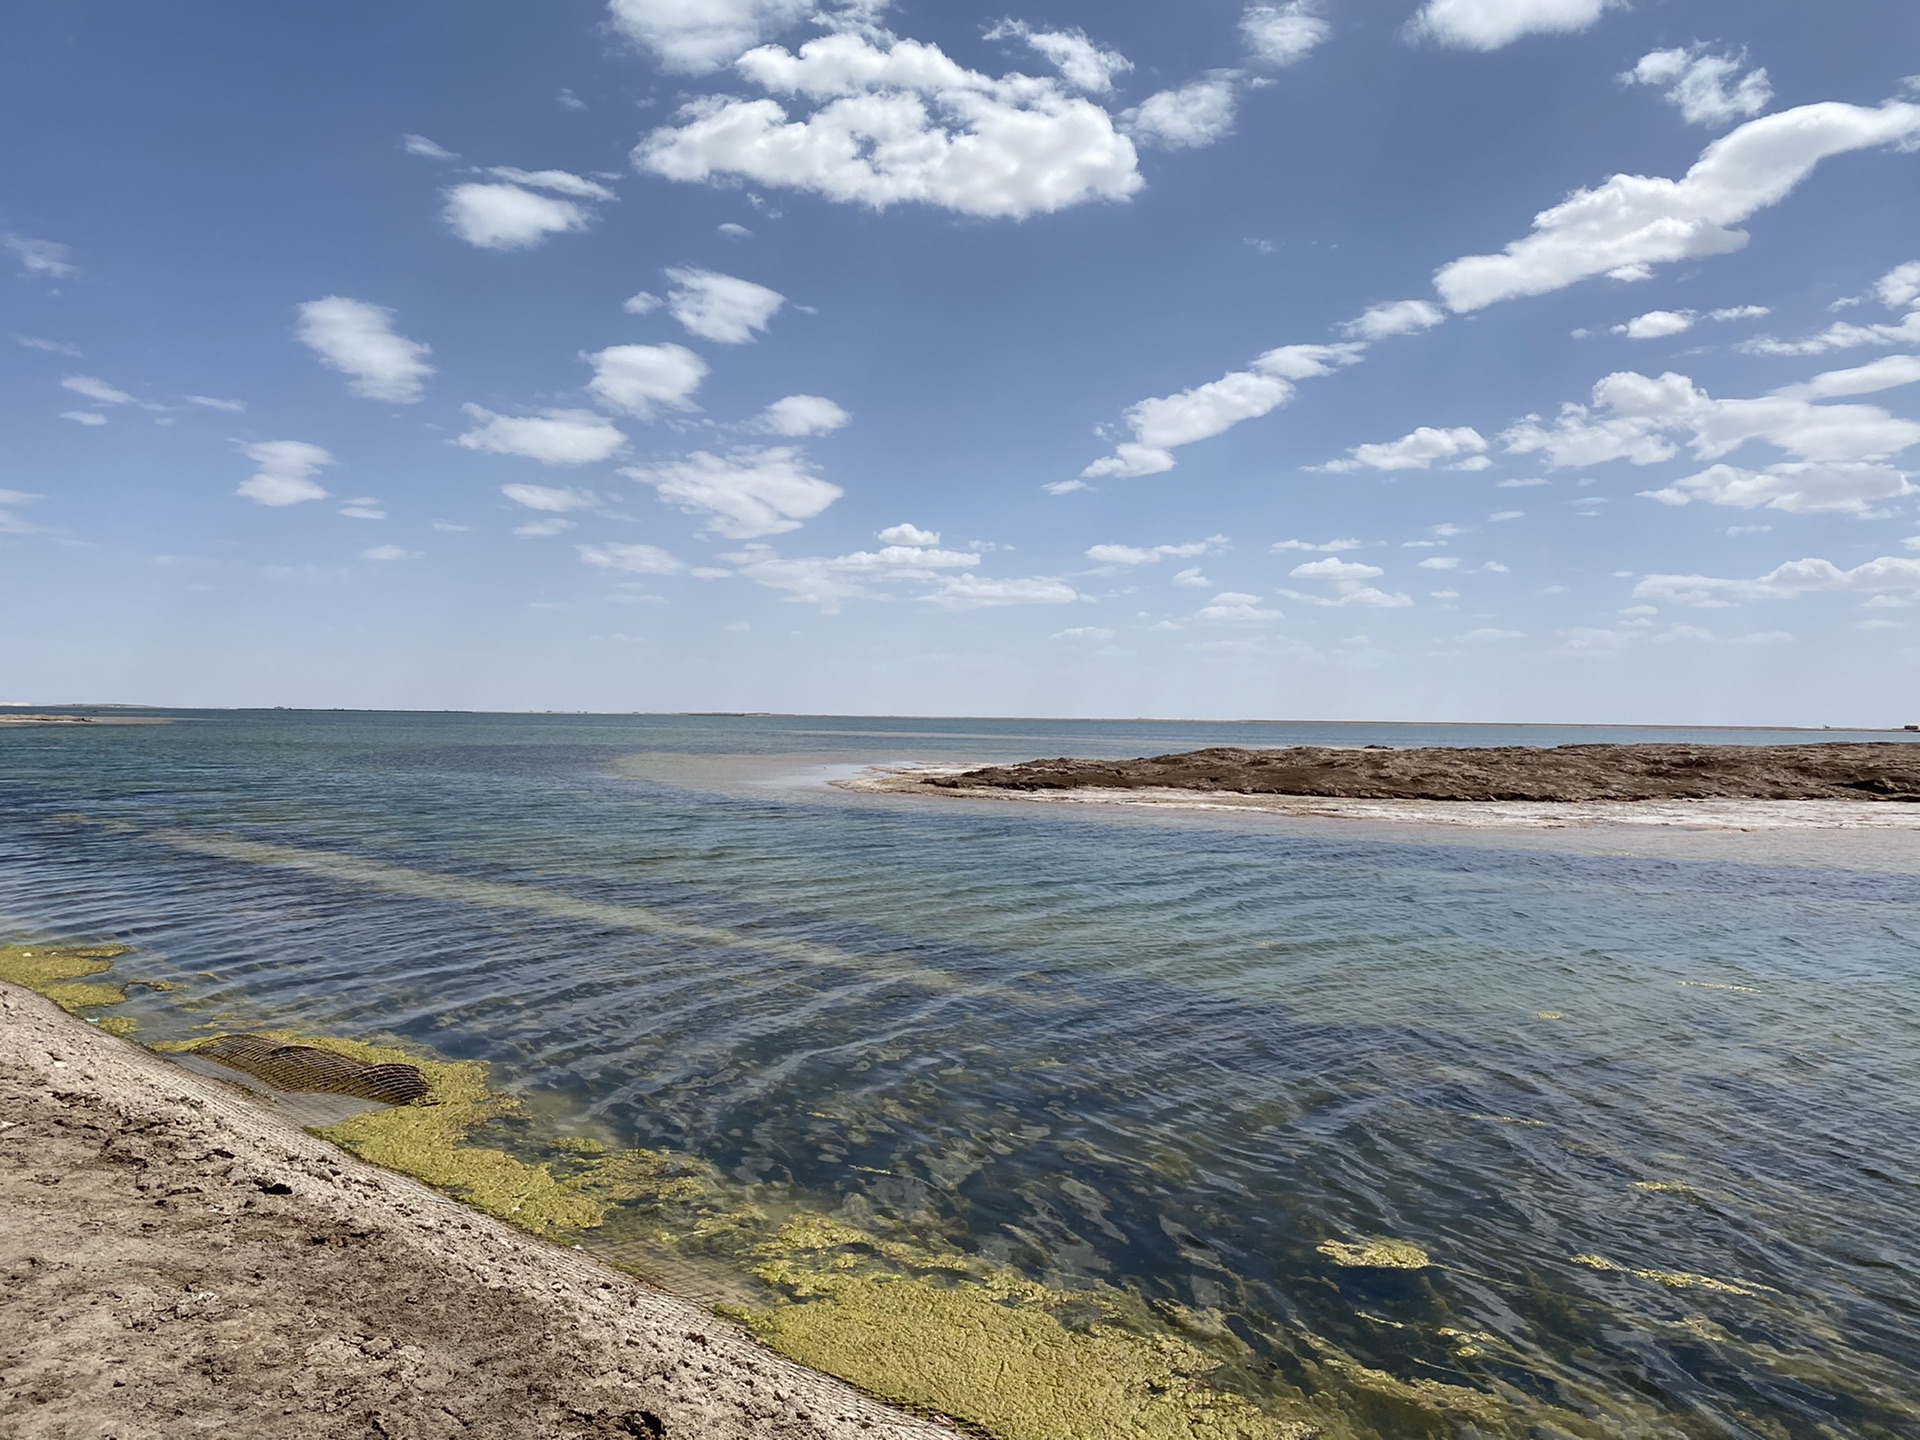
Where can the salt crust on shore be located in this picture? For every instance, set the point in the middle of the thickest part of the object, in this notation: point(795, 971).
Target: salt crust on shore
point(176, 1260)
point(1471, 814)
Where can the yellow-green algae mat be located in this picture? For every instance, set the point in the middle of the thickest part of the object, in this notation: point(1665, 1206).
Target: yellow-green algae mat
point(63, 973)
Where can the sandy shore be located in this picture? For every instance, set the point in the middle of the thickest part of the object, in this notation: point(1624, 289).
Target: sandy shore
point(1715, 814)
point(177, 1260)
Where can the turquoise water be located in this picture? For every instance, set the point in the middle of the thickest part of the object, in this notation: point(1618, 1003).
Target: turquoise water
point(1164, 1054)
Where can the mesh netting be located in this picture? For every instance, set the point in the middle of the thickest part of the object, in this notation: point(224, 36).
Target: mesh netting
point(306, 1068)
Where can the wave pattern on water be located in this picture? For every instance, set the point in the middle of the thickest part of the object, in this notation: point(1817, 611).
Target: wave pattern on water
point(1653, 1121)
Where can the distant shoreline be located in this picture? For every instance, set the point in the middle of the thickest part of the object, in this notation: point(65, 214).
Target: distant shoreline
point(1819, 786)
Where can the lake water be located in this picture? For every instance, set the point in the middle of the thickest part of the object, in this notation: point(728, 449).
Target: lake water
point(1171, 1056)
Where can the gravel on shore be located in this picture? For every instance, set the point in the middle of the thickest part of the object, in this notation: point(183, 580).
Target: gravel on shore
point(177, 1260)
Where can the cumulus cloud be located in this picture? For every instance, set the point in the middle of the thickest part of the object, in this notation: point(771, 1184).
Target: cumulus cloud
point(1492, 24)
point(907, 534)
point(721, 308)
point(970, 592)
point(542, 529)
point(1415, 451)
point(1153, 554)
point(1633, 222)
point(1839, 487)
point(1284, 33)
point(1900, 286)
point(1328, 547)
point(359, 341)
point(1081, 63)
point(897, 122)
point(1702, 85)
point(553, 437)
point(642, 380)
point(1348, 580)
point(698, 36)
point(1398, 317)
point(509, 217)
point(1184, 118)
point(633, 559)
point(644, 303)
point(556, 499)
point(1657, 324)
point(1886, 575)
point(1236, 607)
point(747, 493)
point(731, 231)
point(423, 147)
point(286, 472)
point(1093, 633)
point(800, 415)
point(40, 259)
point(1206, 410)
point(909, 557)
point(1634, 417)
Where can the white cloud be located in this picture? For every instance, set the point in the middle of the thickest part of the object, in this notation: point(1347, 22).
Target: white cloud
point(642, 380)
point(730, 231)
point(363, 508)
point(1696, 84)
point(899, 124)
point(1887, 575)
point(286, 472)
point(1330, 547)
point(507, 217)
point(1633, 416)
point(1206, 410)
point(1882, 374)
point(213, 402)
point(1657, 324)
point(1192, 576)
point(560, 182)
point(1491, 24)
point(698, 36)
point(905, 534)
point(384, 552)
point(1415, 451)
point(633, 559)
point(556, 499)
point(1899, 288)
point(542, 529)
point(423, 147)
point(1849, 488)
point(96, 389)
point(798, 415)
point(970, 592)
point(1398, 317)
point(1082, 632)
point(1349, 581)
point(359, 341)
point(1152, 554)
point(1740, 312)
point(1234, 607)
point(745, 494)
point(553, 437)
point(1283, 33)
point(1520, 484)
point(1500, 516)
point(1763, 637)
point(1440, 562)
point(52, 347)
point(567, 100)
point(1487, 635)
point(1081, 63)
point(40, 259)
point(84, 417)
point(644, 303)
point(1186, 118)
point(910, 557)
point(1632, 222)
point(721, 308)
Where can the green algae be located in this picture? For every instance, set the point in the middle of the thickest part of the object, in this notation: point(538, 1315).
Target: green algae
point(62, 974)
point(984, 1345)
point(1676, 1279)
point(1376, 1254)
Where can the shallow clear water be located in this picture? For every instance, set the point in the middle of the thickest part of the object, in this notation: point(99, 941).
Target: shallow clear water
point(1164, 1054)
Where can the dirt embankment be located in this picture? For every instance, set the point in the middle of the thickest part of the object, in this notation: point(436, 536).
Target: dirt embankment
point(1888, 771)
point(175, 1260)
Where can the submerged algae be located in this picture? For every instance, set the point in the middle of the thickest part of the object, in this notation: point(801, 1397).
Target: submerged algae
point(1376, 1254)
point(60, 972)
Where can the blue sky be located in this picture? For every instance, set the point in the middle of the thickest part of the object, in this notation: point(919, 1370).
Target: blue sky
point(1437, 359)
